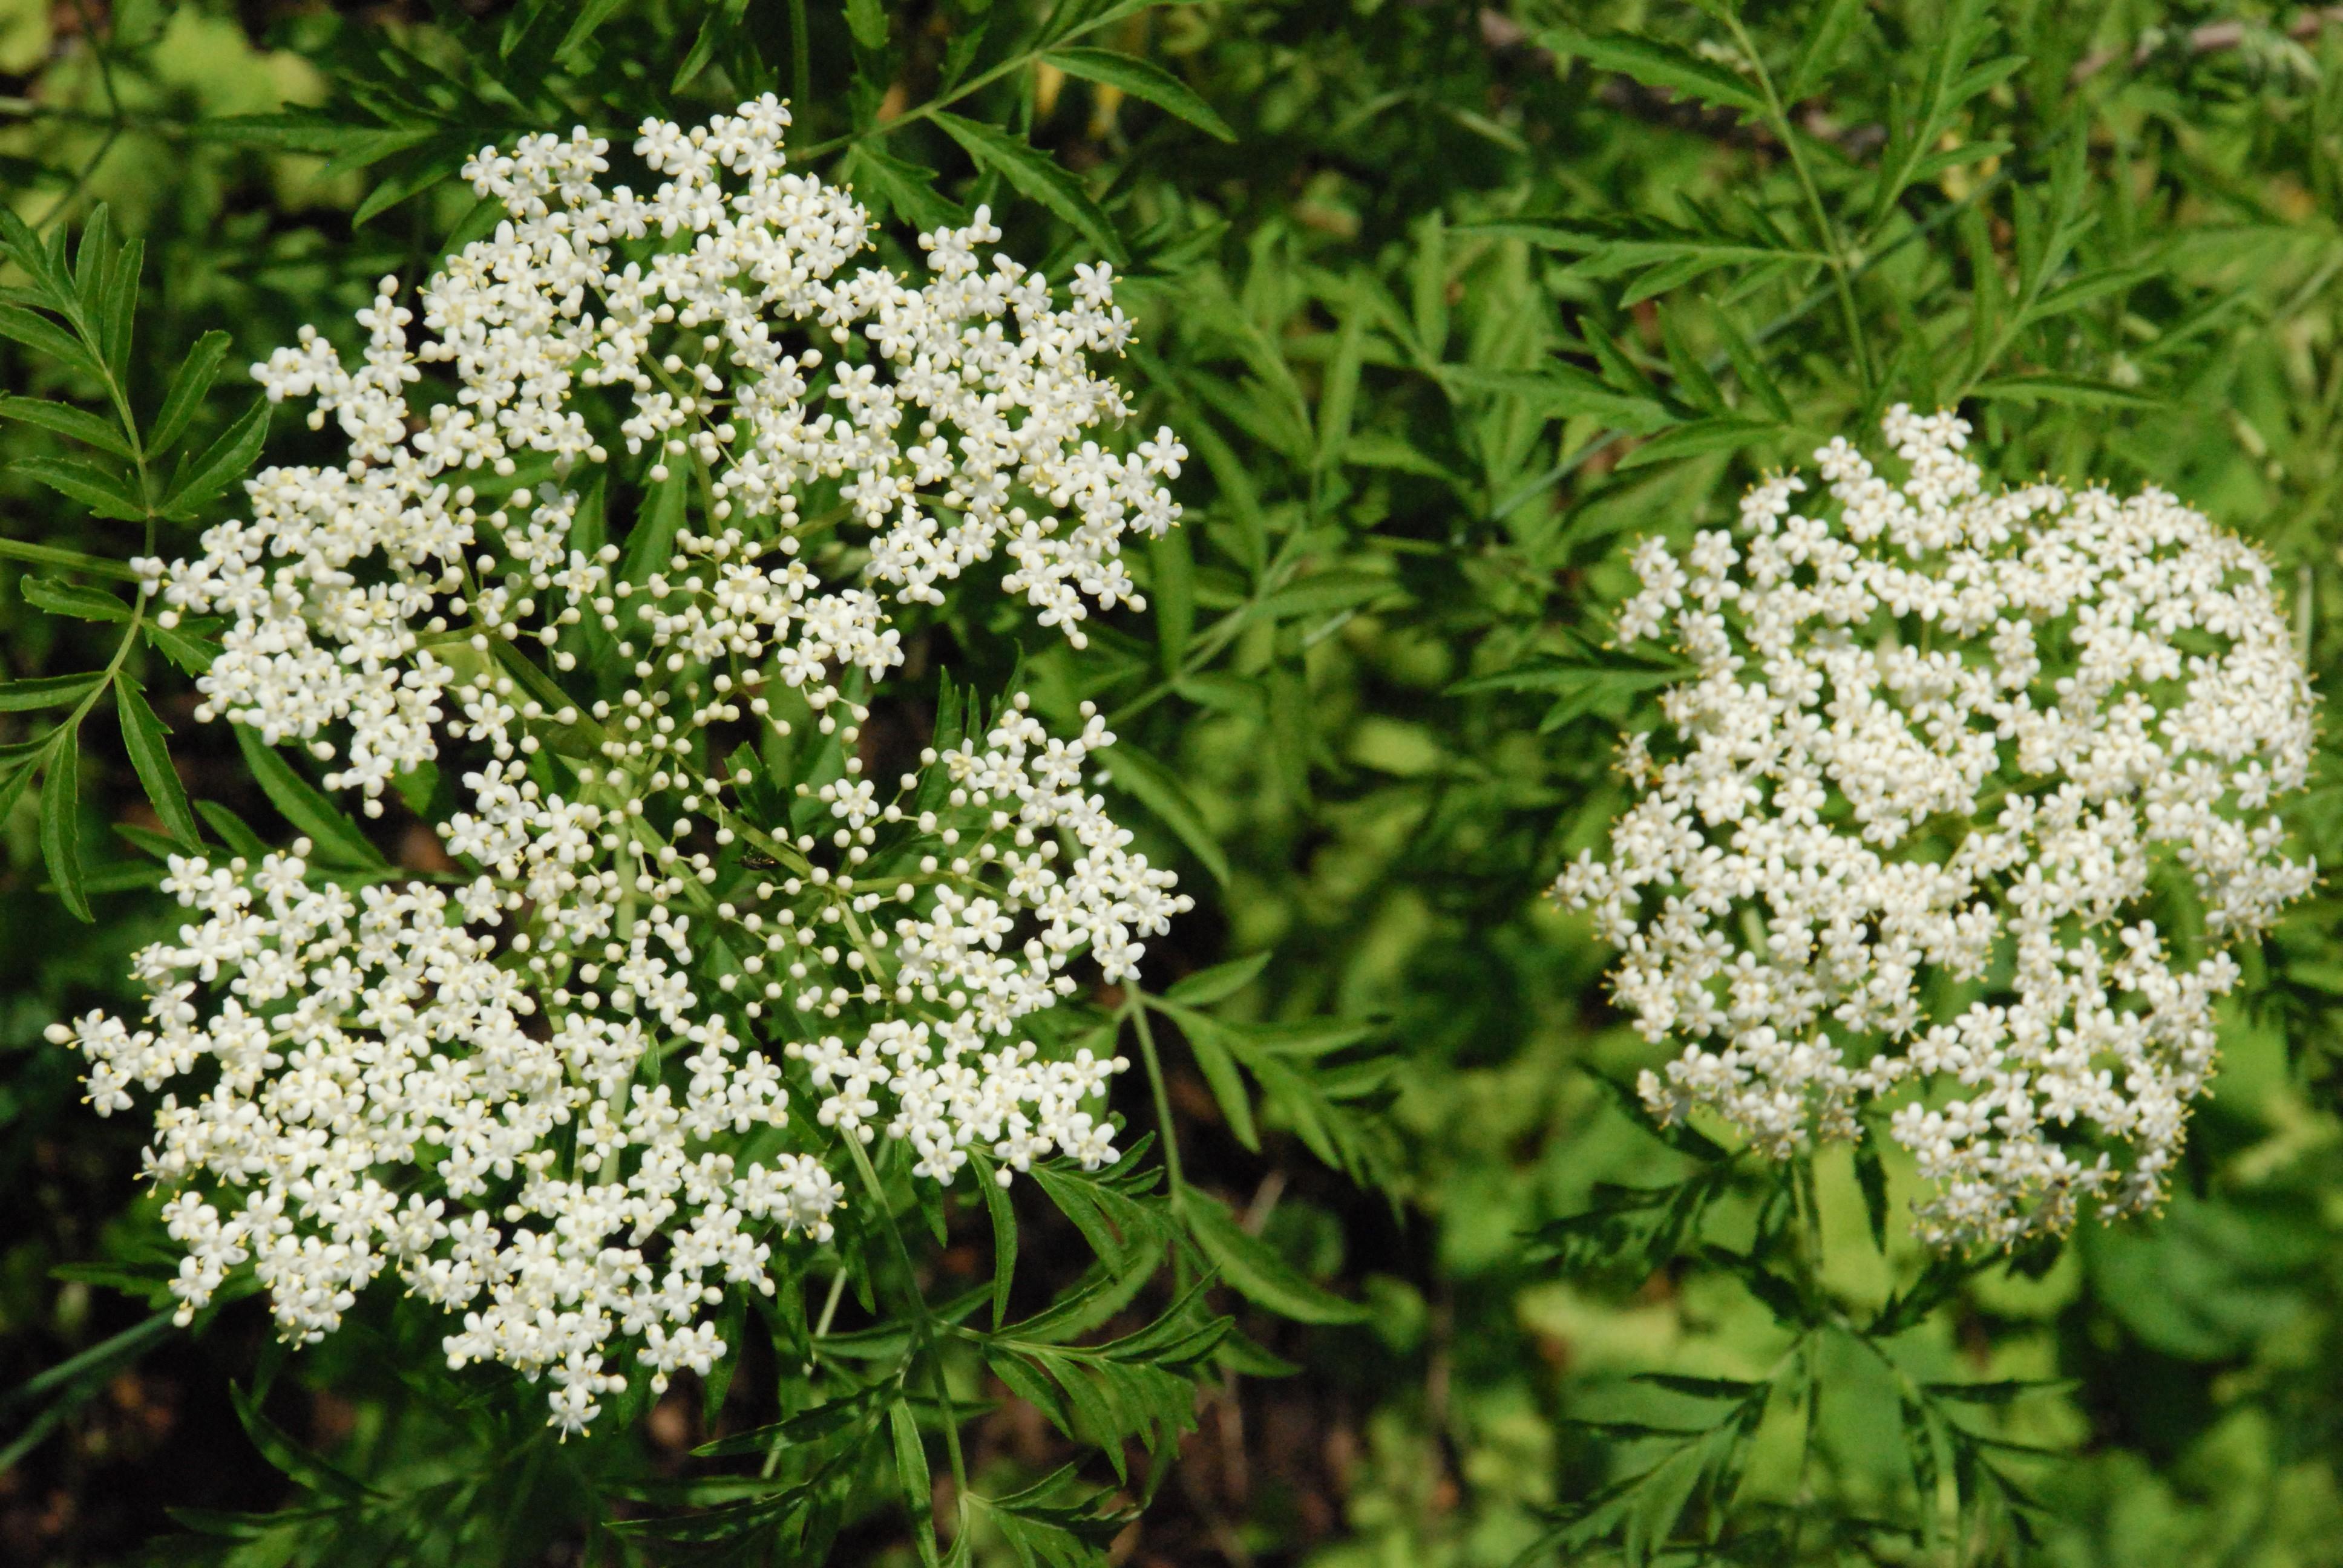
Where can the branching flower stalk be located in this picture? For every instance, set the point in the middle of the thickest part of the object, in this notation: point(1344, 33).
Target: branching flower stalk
point(1966, 801)
point(577, 1098)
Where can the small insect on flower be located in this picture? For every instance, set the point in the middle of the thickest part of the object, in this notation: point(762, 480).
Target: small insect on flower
point(575, 1099)
point(1965, 802)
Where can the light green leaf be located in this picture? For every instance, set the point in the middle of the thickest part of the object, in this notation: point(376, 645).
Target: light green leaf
point(914, 1484)
point(1826, 36)
point(1217, 983)
point(1726, 433)
point(867, 20)
point(2047, 387)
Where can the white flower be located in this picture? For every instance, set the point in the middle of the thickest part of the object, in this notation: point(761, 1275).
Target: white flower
point(542, 1098)
point(1930, 811)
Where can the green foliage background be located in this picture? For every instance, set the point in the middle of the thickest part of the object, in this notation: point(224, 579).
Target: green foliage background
point(1450, 303)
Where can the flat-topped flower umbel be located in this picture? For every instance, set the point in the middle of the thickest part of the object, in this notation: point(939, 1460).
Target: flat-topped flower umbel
point(535, 1089)
point(1968, 791)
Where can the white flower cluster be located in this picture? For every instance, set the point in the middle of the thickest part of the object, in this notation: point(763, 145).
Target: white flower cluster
point(535, 1093)
point(1966, 791)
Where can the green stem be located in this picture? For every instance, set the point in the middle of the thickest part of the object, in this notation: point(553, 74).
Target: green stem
point(801, 56)
point(923, 1328)
point(1826, 233)
point(1135, 1008)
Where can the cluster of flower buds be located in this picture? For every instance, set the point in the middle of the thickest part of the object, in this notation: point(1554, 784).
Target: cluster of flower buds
point(575, 1089)
point(1963, 800)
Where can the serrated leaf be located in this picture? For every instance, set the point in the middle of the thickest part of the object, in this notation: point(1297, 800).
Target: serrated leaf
point(1324, 592)
point(1172, 595)
point(288, 1456)
point(1658, 65)
point(222, 464)
point(333, 836)
point(867, 20)
point(914, 1484)
point(63, 420)
point(192, 654)
point(1255, 1269)
point(39, 333)
point(61, 820)
point(233, 831)
point(1142, 79)
point(907, 189)
point(16, 777)
point(1826, 36)
point(71, 599)
point(45, 691)
point(148, 744)
point(1036, 175)
point(1002, 1214)
point(189, 383)
point(106, 493)
point(722, 24)
point(113, 310)
point(1749, 365)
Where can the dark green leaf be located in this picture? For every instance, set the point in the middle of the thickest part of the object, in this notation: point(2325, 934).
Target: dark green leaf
point(72, 598)
point(189, 383)
point(61, 820)
point(1037, 175)
point(66, 420)
point(45, 691)
point(333, 836)
point(108, 493)
point(1254, 1268)
point(222, 463)
point(1142, 79)
point(1154, 786)
point(1658, 65)
point(143, 736)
